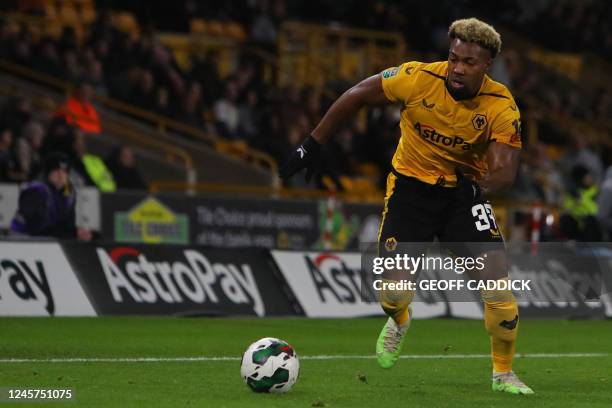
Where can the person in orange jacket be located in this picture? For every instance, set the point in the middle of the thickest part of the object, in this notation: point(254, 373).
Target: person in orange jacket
point(79, 110)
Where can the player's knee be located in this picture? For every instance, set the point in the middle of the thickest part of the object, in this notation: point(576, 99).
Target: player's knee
point(502, 297)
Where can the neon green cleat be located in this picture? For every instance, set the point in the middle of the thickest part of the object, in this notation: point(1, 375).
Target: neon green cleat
point(510, 383)
point(390, 342)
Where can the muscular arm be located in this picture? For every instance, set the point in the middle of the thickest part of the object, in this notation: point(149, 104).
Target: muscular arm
point(503, 161)
point(368, 92)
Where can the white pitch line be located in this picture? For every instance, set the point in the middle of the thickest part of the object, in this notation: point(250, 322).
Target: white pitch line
point(319, 357)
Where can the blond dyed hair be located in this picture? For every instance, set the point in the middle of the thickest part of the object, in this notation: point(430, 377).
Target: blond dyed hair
point(476, 31)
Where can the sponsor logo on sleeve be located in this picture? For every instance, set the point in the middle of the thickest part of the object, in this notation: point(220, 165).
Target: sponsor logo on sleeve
point(391, 72)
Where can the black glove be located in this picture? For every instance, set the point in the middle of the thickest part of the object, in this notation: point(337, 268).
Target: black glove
point(306, 156)
point(467, 187)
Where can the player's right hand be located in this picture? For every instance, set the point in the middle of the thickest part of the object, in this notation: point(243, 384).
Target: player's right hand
point(306, 156)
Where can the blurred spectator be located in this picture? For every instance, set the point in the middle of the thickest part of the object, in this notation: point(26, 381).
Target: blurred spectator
point(73, 70)
point(226, 111)
point(47, 208)
point(162, 102)
point(6, 139)
point(121, 163)
point(205, 68)
point(29, 149)
point(80, 111)
point(604, 204)
point(16, 114)
point(263, 29)
point(248, 118)
point(144, 93)
point(581, 154)
point(95, 76)
point(90, 169)
point(579, 221)
point(191, 113)
point(9, 164)
point(47, 59)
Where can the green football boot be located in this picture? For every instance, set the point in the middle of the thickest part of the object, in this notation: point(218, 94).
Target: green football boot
point(510, 383)
point(390, 342)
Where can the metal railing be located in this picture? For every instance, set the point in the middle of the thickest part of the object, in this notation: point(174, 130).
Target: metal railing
point(170, 151)
point(163, 124)
point(277, 192)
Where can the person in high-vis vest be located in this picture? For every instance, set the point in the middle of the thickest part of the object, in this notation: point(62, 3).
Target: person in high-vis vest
point(579, 219)
point(99, 173)
point(90, 169)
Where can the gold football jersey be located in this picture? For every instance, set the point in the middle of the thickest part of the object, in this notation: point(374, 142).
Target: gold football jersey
point(440, 134)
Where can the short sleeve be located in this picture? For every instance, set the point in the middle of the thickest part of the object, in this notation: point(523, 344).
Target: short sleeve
point(507, 127)
point(398, 82)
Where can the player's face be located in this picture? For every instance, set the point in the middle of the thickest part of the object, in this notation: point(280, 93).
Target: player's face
point(467, 65)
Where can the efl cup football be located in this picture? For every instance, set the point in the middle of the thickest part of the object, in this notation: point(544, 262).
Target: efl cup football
point(270, 365)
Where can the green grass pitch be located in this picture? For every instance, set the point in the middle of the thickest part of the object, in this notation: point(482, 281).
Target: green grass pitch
point(440, 382)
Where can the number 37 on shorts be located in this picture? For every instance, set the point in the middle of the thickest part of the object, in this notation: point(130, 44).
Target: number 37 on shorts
point(484, 219)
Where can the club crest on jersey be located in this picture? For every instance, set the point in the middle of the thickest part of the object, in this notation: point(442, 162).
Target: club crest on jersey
point(479, 121)
point(390, 244)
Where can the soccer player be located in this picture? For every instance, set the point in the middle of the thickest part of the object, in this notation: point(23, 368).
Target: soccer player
point(460, 139)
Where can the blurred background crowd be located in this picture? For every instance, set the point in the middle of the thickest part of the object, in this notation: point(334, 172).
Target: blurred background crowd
point(561, 167)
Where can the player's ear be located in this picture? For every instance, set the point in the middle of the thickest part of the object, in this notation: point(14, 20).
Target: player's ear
point(488, 58)
point(488, 62)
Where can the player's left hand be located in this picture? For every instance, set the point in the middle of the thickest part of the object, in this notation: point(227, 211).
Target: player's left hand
point(306, 156)
point(467, 187)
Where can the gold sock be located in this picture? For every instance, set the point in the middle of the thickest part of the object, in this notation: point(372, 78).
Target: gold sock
point(395, 304)
point(399, 313)
point(501, 320)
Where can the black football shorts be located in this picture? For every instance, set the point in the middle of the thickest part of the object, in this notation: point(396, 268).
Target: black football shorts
point(419, 212)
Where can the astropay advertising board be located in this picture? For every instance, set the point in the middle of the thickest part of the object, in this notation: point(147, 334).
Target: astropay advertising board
point(178, 280)
point(333, 284)
point(326, 284)
point(330, 284)
point(37, 280)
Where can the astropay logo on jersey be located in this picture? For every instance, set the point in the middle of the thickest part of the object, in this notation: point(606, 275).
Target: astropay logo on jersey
point(132, 277)
point(37, 280)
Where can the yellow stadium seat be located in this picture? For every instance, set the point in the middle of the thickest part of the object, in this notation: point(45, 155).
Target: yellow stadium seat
point(126, 22)
point(197, 26)
point(68, 14)
point(215, 28)
point(368, 169)
point(235, 31)
point(53, 28)
point(88, 14)
point(50, 10)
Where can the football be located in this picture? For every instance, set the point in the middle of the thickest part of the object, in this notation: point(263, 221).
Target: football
point(270, 365)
